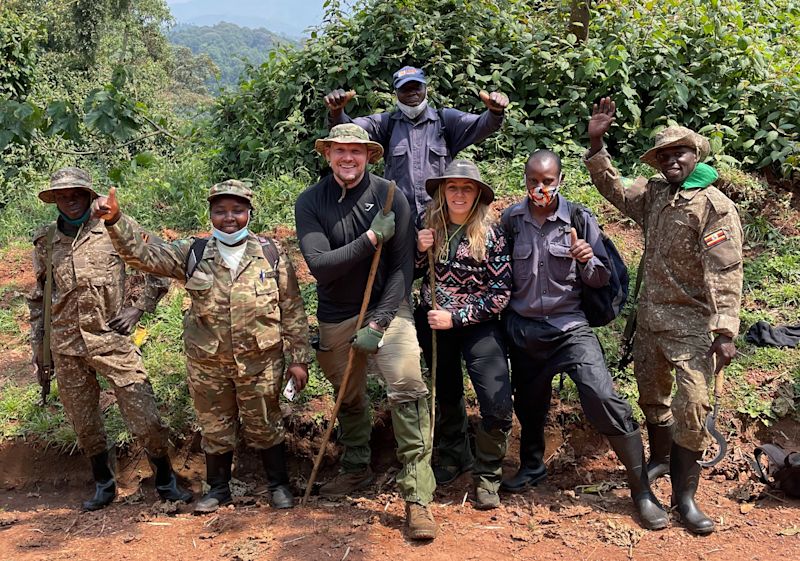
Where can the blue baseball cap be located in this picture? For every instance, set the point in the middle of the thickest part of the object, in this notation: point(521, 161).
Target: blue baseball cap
point(408, 74)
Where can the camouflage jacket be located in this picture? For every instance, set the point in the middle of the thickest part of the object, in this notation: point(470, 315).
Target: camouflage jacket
point(693, 251)
point(246, 318)
point(88, 291)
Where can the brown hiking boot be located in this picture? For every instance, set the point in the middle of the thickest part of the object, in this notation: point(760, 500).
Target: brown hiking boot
point(346, 483)
point(420, 522)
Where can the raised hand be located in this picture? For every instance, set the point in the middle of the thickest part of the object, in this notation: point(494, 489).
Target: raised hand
point(338, 99)
point(580, 249)
point(495, 102)
point(107, 208)
point(601, 121)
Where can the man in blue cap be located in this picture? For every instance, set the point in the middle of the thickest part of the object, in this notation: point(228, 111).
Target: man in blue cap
point(419, 141)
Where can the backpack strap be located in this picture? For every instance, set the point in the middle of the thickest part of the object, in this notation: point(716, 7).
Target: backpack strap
point(577, 218)
point(271, 253)
point(196, 251)
point(777, 458)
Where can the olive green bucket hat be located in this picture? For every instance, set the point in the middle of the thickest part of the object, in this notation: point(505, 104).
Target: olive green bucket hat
point(231, 188)
point(349, 133)
point(677, 136)
point(67, 178)
point(461, 169)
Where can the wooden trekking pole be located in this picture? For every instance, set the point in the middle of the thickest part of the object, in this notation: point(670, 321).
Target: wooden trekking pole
point(432, 283)
point(387, 207)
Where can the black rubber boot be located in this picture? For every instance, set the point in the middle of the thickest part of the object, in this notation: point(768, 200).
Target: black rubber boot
point(166, 482)
point(105, 485)
point(218, 477)
point(531, 461)
point(275, 465)
point(660, 445)
point(630, 452)
point(685, 474)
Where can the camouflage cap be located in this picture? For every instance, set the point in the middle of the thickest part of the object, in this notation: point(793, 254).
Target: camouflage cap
point(349, 133)
point(231, 188)
point(67, 178)
point(677, 136)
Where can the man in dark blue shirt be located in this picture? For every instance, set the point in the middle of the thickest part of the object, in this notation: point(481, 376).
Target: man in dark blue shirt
point(548, 332)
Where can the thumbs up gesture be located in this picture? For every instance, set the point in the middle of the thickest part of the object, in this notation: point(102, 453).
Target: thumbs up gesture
point(579, 249)
point(107, 208)
point(496, 102)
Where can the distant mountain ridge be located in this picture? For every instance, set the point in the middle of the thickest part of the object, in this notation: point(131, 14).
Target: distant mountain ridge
point(230, 46)
point(286, 17)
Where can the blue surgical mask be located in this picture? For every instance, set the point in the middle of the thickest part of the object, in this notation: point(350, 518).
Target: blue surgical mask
point(234, 238)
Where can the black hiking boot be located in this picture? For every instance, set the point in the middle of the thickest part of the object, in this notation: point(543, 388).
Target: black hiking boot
point(105, 485)
point(218, 477)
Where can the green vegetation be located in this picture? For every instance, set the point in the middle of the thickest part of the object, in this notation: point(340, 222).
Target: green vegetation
point(97, 84)
point(230, 48)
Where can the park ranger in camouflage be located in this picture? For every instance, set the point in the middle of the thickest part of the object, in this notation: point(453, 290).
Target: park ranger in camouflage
point(691, 291)
point(246, 313)
point(89, 330)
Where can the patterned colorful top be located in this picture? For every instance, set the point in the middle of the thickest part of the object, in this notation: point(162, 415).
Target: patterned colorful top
point(471, 291)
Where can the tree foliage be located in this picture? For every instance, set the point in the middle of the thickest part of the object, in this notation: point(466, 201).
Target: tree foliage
point(724, 67)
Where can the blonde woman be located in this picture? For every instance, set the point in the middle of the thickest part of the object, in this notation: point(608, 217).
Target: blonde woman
point(473, 285)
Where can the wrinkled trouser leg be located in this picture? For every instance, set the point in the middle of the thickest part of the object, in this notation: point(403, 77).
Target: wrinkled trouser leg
point(655, 356)
point(411, 422)
point(213, 393)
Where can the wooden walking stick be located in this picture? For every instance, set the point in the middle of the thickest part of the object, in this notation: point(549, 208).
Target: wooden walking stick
point(387, 207)
point(432, 283)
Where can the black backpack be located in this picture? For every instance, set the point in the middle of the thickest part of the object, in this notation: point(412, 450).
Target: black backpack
point(783, 468)
point(602, 305)
point(199, 246)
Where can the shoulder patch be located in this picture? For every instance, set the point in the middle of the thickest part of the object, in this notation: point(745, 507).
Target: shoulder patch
point(715, 238)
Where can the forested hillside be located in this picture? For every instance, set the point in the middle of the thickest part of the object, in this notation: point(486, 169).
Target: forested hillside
point(229, 46)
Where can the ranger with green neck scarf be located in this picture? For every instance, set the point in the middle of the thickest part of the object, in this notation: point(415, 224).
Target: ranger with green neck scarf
point(689, 302)
point(89, 327)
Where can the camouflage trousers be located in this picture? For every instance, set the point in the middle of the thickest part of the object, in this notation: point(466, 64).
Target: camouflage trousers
point(656, 355)
point(79, 392)
point(225, 400)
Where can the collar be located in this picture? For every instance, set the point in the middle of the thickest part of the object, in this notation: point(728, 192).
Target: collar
point(352, 191)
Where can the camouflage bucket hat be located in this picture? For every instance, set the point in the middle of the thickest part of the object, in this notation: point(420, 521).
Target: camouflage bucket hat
point(231, 188)
point(350, 133)
point(67, 178)
point(461, 169)
point(677, 136)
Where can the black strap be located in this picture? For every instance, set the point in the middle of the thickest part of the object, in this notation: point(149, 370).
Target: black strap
point(198, 247)
point(777, 458)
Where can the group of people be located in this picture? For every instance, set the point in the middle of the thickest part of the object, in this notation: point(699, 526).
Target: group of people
point(502, 292)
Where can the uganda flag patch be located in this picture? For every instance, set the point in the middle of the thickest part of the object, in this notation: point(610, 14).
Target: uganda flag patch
point(715, 238)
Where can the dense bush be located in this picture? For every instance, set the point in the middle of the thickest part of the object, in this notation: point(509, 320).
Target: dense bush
point(725, 67)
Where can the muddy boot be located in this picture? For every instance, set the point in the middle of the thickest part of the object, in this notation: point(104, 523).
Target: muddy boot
point(490, 448)
point(105, 486)
point(166, 482)
point(274, 460)
point(218, 477)
point(630, 452)
point(660, 445)
point(454, 456)
point(685, 474)
point(347, 483)
point(420, 524)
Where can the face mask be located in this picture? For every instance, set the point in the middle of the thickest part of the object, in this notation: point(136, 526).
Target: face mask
point(544, 195)
point(413, 112)
point(231, 239)
point(77, 221)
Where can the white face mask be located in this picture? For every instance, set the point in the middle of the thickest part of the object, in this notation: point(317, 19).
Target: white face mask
point(543, 195)
point(413, 112)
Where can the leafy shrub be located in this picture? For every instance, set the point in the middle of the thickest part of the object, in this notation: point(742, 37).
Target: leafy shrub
point(725, 68)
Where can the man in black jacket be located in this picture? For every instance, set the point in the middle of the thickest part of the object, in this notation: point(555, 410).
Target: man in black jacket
point(339, 224)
